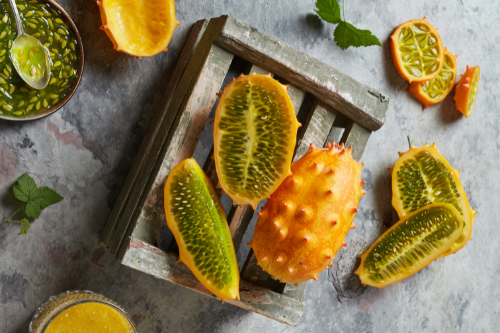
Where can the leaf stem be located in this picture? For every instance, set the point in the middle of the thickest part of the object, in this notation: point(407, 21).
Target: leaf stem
point(343, 8)
point(7, 220)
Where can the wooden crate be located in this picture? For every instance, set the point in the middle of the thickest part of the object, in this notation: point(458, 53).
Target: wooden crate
point(332, 106)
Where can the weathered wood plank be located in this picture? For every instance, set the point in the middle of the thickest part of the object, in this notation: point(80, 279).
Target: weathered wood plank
point(295, 291)
point(163, 265)
point(189, 110)
point(356, 136)
point(316, 129)
point(254, 274)
point(147, 155)
point(354, 99)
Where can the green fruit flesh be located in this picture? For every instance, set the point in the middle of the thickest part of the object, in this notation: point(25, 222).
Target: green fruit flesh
point(473, 91)
point(202, 224)
point(419, 50)
point(443, 82)
point(408, 246)
point(425, 179)
point(253, 146)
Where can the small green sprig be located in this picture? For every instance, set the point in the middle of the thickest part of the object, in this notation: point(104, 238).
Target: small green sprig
point(345, 34)
point(35, 198)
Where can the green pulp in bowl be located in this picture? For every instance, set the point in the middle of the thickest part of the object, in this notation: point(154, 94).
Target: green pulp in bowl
point(48, 25)
point(29, 57)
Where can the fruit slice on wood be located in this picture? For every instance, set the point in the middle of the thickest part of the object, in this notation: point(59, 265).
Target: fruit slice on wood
point(417, 51)
point(255, 130)
point(139, 28)
point(197, 219)
point(422, 176)
point(465, 95)
point(435, 90)
point(410, 245)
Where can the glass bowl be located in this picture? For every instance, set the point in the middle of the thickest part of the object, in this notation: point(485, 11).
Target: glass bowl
point(55, 305)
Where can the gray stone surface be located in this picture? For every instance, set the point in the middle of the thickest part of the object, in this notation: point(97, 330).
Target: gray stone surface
point(86, 149)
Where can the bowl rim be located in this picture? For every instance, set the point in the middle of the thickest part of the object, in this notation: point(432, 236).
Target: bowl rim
point(79, 72)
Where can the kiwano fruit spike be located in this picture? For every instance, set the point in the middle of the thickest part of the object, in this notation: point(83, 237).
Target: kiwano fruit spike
point(255, 130)
point(465, 94)
point(410, 245)
point(422, 176)
point(304, 224)
point(435, 90)
point(196, 218)
point(417, 51)
point(140, 30)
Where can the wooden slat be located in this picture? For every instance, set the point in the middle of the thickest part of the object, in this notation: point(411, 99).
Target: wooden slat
point(163, 265)
point(147, 156)
point(254, 274)
point(354, 99)
point(356, 136)
point(191, 106)
point(316, 129)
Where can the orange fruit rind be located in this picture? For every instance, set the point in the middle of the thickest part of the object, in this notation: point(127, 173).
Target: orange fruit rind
point(417, 51)
point(466, 90)
point(435, 90)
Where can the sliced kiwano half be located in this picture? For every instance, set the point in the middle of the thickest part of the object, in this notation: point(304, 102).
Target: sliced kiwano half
point(435, 90)
point(465, 95)
point(197, 219)
point(138, 28)
point(417, 51)
point(254, 138)
point(410, 245)
point(422, 176)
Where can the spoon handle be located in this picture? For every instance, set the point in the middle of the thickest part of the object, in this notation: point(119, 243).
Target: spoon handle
point(19, 24)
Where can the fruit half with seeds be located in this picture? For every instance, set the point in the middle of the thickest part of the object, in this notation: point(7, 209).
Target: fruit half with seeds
point(417, 51)
point(255, 130)
point(196, 218)
point(435, 90)
point(410, 245)
point(422, 176)
point(465, 94)
point(138, 28)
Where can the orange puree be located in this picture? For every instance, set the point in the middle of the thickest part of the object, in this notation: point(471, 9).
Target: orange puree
point(89, 318)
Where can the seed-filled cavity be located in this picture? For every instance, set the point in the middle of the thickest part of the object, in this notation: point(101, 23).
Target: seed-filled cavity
point(199, 222)
point(256, 128)
point(407, 246)
point(443, 82)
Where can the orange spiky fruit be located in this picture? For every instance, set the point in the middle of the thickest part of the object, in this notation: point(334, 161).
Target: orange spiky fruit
point(304, 223)
point(435, 90)
point(422, 176)
point(141, 29)
point(255, 131)
point(417, 51)
point(466, 90)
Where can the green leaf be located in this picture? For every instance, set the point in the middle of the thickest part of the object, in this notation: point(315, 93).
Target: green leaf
point(33, 209)
point(25, 227)
point(348, 35)
point(47, 197)
point(26, 190)
point(329, 11)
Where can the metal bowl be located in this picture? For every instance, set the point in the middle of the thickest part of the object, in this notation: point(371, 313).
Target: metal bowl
point(38, 115)
point(56, 305)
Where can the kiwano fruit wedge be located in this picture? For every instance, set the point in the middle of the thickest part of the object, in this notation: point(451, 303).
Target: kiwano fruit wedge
point(435, 90)
point(304, 223)
point(138, 28)
point(465, 94)
point(417, 51)
point(196, 218)
point(410, 245)
point(254, 138)
point(422, 176)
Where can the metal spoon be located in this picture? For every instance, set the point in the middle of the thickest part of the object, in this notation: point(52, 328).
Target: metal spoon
point(22, 40)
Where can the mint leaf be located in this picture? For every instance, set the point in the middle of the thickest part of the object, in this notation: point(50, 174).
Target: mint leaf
point(348, 35)
point(33, 209)
point(47, 197)
point(25, 227)
point(26, 190)
point(329, 11)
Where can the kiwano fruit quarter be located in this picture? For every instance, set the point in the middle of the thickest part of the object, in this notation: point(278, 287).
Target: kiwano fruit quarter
point(304, 223)
point(422, 176)
point(196, 218)
point(465, 94)
point(254, 138)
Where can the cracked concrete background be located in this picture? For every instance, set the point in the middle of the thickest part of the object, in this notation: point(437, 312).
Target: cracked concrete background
point(85, 150)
